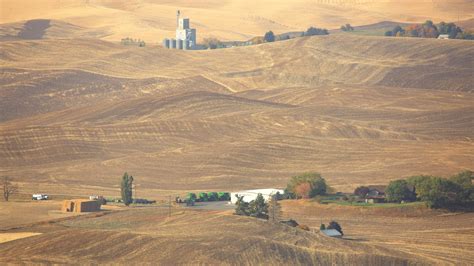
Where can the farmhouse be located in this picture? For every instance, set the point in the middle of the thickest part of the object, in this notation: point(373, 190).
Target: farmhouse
point(332, 233)
point(80, 205)
point(250, 195)
point(376, 194)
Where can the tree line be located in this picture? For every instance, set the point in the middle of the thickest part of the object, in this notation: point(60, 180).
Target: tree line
point(430, 30)
point(455, 192)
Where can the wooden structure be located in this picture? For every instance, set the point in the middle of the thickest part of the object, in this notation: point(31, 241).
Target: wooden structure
point(80, 205)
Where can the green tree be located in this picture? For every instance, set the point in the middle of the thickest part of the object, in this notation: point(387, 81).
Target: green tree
point(464, 181)
point(322, 227)
point(242, 207)
point(336, 226)
point(441, 193)
point(398, 30)
point(259, 208)
point(347, 27)
point(398, 191)
point(269, 37)
point(311, 31)
point(421, 184)
point(315, 180)
point(127, 188)
point(213, 43)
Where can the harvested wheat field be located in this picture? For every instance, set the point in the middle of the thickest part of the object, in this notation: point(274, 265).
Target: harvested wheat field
point(436, 237)
point(148, 235)
point(78, 109)
point(225, 19)
point(211, 121)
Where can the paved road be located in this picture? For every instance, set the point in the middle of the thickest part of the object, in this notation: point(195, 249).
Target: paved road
point(213, 205)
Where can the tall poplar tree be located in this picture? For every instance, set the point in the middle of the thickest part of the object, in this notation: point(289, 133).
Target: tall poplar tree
point(126, 188)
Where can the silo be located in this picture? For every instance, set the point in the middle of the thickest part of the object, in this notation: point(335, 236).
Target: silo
point(166, 43)
point(179, 45)
point(173, 44)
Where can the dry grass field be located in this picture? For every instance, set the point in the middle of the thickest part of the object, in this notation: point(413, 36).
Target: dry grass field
point(153, 20)
point(148, 235)
point(77, 110)
point(233, 118)
point(436, 237)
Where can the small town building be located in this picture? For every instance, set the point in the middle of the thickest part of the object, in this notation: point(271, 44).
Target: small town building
point(250, 195)
point(376, 194)
point(443, 36)
point(332, 233)
point(80, 205)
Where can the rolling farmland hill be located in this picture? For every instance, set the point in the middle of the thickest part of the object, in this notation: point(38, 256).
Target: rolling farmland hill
point(153, 20)
point(234, 118)
point(148, 235)
point(77, 110)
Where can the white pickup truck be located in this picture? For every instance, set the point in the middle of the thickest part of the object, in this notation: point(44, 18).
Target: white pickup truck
point(40, 197)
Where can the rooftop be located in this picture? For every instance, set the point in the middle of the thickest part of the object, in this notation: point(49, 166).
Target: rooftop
point(331, 232)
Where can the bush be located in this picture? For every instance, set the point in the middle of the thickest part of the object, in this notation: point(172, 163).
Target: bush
point(322, 227)
point(315, 31)
point(314, 181)
point(269, 37)
point(335, 225)
point(347, 27)
point(213, 43)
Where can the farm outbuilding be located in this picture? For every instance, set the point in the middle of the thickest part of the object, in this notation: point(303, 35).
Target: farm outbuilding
point(332, 233)
point(250, 195)
point(80, 205)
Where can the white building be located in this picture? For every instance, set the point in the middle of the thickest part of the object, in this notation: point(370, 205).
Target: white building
point(443, 36)
point(185, 36)
point(332, 233)
point(250, 195)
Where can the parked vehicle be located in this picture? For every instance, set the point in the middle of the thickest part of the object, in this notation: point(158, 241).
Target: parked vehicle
point(40, 197)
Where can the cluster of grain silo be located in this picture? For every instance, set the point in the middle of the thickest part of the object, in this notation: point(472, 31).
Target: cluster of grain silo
point(185, 36)
point(177, 44)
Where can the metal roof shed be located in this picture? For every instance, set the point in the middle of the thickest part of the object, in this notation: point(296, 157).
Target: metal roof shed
point(332, 233)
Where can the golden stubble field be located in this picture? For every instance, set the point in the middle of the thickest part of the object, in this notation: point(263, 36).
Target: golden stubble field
point(234, 118)
point(76, 111)
point(436, 237)
point(153, 20)
point(373, 236)
point(149, 235)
